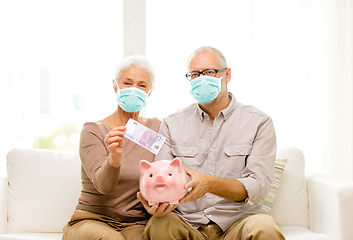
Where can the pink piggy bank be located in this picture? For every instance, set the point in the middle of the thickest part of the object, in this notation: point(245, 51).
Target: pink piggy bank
point(162, 181)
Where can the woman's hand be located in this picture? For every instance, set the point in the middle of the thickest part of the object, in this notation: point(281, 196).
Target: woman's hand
point(157, 210)
point(114, 142)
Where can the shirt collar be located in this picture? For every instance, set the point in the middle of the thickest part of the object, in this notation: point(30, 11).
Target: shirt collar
point(226, 113)
point(202, 114)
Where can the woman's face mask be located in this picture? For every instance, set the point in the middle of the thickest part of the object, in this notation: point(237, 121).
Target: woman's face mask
point(131, 99)
point(205, 88)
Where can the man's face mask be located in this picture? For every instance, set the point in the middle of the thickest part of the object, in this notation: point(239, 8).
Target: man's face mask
point(131, 99)
point(205, 88)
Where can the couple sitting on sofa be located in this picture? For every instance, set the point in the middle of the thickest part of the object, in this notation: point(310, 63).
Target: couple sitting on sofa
point(228, 150)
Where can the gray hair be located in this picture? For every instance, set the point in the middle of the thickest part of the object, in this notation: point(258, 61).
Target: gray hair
point(221, 59)
point(139, 61)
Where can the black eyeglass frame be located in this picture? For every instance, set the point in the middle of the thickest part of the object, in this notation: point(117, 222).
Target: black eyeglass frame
point(188, 75)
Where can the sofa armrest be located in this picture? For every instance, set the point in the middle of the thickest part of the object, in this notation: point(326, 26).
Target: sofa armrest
point(3, 205)
point(330, 205)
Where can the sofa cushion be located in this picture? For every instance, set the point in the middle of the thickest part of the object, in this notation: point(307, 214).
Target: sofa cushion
point(43, 189)
point(291, 206)
point(270, 198)
point(3, 205)
point(302, 233)
point(31, 236)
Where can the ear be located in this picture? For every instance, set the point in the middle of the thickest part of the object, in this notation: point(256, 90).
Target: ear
point(144, 165)
point(115, 85)
point(176, 163)
point(228, 75)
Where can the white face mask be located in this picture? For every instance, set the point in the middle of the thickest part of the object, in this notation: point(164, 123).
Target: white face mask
point(131, 99)
point(205, 88)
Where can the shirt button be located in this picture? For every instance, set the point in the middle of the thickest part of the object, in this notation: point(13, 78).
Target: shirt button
point(182, 152)
point(210, 216)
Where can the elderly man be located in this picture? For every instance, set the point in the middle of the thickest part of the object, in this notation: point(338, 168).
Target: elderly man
point(228, 150)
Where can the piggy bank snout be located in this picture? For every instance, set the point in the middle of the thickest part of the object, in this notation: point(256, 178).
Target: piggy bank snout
point(159, 179)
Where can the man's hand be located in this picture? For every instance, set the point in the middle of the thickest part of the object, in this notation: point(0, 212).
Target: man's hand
point(202, 184)
point(157, 210)
point(199, 184)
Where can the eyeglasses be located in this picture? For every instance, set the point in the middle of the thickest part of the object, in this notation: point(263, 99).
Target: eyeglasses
point(209, 72)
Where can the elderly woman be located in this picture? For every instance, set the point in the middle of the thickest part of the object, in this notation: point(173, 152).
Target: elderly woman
point(108, 207)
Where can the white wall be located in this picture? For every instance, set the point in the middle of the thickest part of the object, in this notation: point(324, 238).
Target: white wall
point(5, 89)
point(351, 87)
point(327, 76)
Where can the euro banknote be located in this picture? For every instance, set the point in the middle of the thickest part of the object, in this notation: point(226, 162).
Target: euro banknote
point(143, 136)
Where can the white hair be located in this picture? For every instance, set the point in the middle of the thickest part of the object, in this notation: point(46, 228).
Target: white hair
point(221, 59)
point(139, 61)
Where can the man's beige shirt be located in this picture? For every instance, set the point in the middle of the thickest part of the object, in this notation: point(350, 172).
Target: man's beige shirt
point(241, 144)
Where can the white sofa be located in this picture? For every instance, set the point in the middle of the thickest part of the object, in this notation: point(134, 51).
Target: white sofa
point(41, 191)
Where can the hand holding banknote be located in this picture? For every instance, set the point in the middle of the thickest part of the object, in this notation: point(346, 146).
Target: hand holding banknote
point(144, 136)
point(114, 142)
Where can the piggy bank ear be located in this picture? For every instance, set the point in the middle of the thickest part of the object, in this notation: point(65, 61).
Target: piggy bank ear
point(144, 165)
point(176, 163)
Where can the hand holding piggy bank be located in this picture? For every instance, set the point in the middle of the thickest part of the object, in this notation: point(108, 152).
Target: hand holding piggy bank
point(162, 181)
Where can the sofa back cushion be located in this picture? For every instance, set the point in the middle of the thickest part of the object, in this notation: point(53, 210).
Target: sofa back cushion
point(43, 189)
point(44, 186)
point(290, 206)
